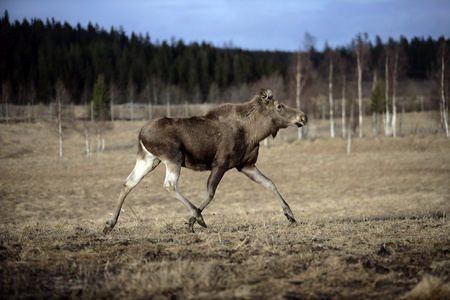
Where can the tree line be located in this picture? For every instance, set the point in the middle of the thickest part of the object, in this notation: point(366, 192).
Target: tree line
point(35, 55)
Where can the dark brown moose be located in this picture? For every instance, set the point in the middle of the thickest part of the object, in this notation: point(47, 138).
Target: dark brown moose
point(227, 137)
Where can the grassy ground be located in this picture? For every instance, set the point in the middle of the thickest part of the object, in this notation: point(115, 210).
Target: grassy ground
point(372, 224)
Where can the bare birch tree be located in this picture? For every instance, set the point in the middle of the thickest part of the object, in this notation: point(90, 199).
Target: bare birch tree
point(394, 67)
point(60, 95)
point(394, 92)
point(443, 103)
point(387, 120)
point(298, 78)
point(302, 71)
point(343, 66)
point(330, 92)
point(360, 51)
point(300, 81)
point(343, 100)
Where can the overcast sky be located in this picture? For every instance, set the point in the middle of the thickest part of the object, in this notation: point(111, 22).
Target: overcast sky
point(250, 24)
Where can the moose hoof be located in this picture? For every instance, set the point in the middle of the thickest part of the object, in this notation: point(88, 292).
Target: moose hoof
point(291, 219)
point(201, 222)
point(191, 223)
point(107, 228)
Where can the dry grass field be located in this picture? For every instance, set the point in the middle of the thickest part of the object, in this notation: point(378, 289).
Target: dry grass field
point(373, 224)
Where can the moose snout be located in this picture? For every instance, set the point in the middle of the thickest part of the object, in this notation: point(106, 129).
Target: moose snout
point(301, 120)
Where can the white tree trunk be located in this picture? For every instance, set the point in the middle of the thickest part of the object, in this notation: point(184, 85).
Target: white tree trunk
point(298, 78)
point(443, 102)
point(387, 121)
point(374, 114)
point(86, 136)
point(343, 107)
point(330, 97)
point(394, 91)
point(60, 91)
point(360, 110)
point(60, 127)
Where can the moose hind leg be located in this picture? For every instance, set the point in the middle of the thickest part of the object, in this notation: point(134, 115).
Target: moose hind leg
point(145, 163)
point(171, 185)
point(252, 172)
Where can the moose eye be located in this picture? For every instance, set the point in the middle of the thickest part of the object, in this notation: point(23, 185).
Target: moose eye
point(280, 106)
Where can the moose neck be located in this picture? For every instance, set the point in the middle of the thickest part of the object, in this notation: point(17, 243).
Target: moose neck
point(260, 124)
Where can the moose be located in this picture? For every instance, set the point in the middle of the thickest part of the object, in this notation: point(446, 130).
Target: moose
point(226, 137)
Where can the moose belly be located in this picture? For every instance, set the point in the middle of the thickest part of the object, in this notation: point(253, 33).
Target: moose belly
point(196, 163)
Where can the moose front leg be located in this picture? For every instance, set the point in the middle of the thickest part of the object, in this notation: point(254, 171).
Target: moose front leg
point(252, 172)
point(211, 186)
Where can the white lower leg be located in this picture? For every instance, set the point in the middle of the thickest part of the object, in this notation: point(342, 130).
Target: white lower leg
point(171, 185)
point(144, 164)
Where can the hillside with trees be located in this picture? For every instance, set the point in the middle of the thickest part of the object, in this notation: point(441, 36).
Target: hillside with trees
point(36, 54)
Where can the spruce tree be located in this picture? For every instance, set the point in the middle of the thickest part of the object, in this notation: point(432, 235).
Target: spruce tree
point(378, 98)
point(100, 99)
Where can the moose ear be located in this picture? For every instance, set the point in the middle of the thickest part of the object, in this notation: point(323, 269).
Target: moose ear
point(266, 95)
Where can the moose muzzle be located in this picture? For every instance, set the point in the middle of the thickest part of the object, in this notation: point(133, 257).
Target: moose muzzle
point(301, 120)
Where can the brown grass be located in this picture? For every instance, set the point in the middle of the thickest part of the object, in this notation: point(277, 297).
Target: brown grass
point(372, 224)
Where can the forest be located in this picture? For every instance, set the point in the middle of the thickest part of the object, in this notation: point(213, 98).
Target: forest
point(36, 54)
